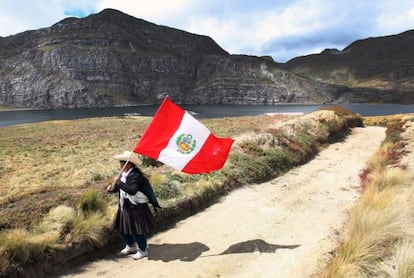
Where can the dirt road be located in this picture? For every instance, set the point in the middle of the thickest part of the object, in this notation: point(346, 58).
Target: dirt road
point(282, 228)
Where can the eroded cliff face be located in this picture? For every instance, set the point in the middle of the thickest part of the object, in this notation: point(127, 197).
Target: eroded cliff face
point(250, 80)
point(383, 63)
point(111, 59)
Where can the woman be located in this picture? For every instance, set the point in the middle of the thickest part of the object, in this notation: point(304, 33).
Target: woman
point(134, 218)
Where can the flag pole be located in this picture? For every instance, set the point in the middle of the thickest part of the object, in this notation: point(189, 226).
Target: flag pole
point(110, 187)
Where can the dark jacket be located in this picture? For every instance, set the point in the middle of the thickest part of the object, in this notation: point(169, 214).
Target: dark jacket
point(138, 182)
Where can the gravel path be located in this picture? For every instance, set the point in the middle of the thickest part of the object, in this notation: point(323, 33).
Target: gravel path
point(282, 228)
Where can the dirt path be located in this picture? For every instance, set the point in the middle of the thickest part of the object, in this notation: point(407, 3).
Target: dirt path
point(282, 228)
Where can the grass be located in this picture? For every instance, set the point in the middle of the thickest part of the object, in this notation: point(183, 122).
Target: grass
point(379, 235)
point(402, 260)
point(384, 120)
point(54, 173)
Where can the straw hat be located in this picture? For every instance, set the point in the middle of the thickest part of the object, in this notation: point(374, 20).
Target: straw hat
point(128, 156)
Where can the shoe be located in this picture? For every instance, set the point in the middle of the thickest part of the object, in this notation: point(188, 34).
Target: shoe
point(128, 250)
point(140, 254)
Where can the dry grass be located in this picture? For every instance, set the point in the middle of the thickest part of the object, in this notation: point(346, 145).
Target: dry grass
point(20, 245)
point(62, 153)
point(401, 264)
point(54, 173)
point(377, 223)
point(89, 227)
point(56, 220)
point(380, 231)
point(42, 156)
point(384, 120)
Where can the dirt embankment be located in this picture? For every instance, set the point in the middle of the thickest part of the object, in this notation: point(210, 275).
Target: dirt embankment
point(286, 227)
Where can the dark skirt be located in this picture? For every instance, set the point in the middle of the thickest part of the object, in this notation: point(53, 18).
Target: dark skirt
point(134, 219)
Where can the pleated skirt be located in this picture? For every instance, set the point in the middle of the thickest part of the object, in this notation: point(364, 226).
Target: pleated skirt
point(134, 219)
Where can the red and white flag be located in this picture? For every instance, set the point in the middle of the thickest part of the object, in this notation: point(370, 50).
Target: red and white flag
point(177, 139)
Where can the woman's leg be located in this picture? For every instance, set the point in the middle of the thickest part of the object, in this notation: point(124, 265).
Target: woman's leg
point(142, 242)
point(129, 240)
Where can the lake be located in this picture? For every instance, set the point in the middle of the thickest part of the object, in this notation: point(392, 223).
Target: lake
point(9, 118)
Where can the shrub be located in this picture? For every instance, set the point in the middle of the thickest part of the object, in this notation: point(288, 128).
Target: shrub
point(168, 190)
point(97, 177)
point(250, 169)
point(251, 148)
point(90, 202)
point(165, 187)
point(149, 162)
point(278, 159)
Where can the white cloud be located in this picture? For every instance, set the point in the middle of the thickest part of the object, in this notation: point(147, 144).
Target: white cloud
point(244, 31)
point(261, 27)
point(395, 19)
point(21, 15)
point(154, 11)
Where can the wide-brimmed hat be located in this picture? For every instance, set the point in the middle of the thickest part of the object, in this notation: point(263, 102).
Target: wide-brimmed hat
point(128, 156)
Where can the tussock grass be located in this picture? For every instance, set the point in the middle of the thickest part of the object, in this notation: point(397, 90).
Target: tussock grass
point(90, 202)
point(20, 245)
point(55, 220)
point(401, 264)
point(379, 235)
point(377, 223)
point(389, 178)
point(384, 120)
point(379, 161)
point(91, 227)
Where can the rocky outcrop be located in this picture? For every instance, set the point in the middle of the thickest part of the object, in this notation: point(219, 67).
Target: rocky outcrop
point(381, 63)
point(113, 59)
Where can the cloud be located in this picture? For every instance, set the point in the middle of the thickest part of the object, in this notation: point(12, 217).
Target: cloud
point(22, 15)
point(255, 33)
point(304, 27)
point(154, 11)
point(283, 29)
point(395, 18)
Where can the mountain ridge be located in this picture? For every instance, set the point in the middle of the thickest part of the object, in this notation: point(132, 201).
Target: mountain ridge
point(377, 62)
point(113, 59)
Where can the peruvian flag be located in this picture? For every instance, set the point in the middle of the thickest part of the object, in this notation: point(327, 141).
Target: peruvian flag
point(177, 139)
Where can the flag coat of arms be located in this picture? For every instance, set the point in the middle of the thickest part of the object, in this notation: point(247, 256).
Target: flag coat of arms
point(177, 139)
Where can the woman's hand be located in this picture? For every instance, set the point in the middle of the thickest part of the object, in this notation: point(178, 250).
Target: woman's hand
point(111, 187)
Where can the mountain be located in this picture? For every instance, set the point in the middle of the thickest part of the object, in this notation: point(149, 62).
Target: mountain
point(382, 63)
point(113, 59)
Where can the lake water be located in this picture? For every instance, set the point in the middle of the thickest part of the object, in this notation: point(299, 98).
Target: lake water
point(8, 118)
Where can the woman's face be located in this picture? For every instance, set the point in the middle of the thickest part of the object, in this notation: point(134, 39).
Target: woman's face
point(125, 167)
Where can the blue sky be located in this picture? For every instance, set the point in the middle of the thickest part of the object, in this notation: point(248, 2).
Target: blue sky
point(282, 29)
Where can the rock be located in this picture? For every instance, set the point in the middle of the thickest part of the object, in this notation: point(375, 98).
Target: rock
point(113, 59)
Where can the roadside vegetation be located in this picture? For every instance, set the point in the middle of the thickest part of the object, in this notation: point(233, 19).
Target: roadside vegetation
point(379, 236)
point(54, 175)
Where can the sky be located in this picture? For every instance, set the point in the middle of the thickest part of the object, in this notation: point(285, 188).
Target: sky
point(281, 29)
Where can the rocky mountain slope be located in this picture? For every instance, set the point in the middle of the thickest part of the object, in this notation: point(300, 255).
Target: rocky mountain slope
point(112, 59)
point(384, 63)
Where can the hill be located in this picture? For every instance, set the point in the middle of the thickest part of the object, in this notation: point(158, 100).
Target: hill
point(113, 59)
point(384, 63)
